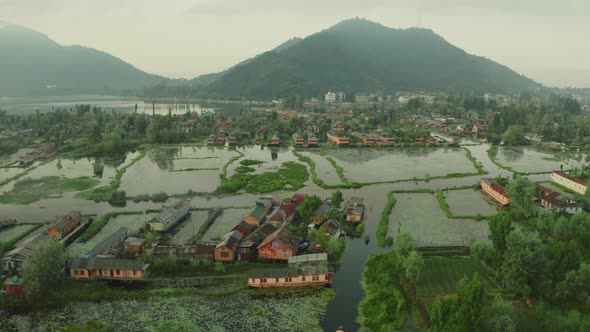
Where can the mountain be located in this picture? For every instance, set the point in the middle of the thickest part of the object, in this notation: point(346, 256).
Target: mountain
point(359, 55)
point(206, 79)
point(33, 64)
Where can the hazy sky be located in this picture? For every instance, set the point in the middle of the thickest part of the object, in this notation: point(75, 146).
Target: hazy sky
point(547, 40)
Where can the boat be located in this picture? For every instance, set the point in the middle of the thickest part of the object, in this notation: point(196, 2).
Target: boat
point(367, 237)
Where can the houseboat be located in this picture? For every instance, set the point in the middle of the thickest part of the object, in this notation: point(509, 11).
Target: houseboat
point(168, 218)
point(65, 225)
point(366, 139)
point(319, 216)
point(304, 270)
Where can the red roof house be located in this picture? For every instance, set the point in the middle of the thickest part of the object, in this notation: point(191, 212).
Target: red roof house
point(284, 215)
point(279, 245)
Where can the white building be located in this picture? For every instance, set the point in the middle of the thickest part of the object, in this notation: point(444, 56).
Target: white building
point(569, 182)
point(330, 97)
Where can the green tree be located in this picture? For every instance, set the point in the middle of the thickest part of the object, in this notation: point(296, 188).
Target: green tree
point(576, 285)
point(308, 207)
point(413, 264)
point(337, 199)
point(522, 193)
point(44, 269)
point(404, 244)
point(522, 265)
point(514, 135)
point(500, 227)
point(500, 317)
point(472, 301)
point(444, 314)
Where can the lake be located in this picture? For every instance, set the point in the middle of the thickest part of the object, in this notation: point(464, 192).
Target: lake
point(168, 169)
point(28, 105)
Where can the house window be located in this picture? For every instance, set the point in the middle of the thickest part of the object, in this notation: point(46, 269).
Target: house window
point(289, 279)
point(315, 278)
point(303, 278)
point(224, 254)
point(284, 253)
point(117, 272)
point(263, 280)
point(276, 280)
point(134, 272)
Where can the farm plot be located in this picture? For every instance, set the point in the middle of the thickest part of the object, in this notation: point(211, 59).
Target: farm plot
point(72, 168)
point(440, 275)
point(469, 202)
point(421, 216)
point(173, 172)
point(12, 232)
point(272, 159)
point(523, 159)
point(374, 165)
point(323, 168)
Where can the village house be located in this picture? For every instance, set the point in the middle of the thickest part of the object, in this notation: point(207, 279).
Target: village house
point(15, 260)
point(354, 210)
point(383, 139)
point(133, 245)
point(110, 247)
point(224, 124)
point(283, 216)
point(298, 140)
point(339, 127)
point(297, 199)
point(574, 184)
point(169, 217)
point(280, 245)
point(479, 130)
point(259, 213)
point(244, 228)
point(560, 204)
point(186, 254)
point(220, 138)
point(107, 268)
point(305, 270)
point(495, 190)
point(319, 216)
point(312, 140)
point(366, 139)
point(332, 228)
point(225, 251)
point(337, 138)
point(248, 248)
point(274, 140)
point(64, 226)
point(231, 140)
point(14, 286)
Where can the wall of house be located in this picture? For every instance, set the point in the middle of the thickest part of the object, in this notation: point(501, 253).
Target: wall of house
point(577, 187)
point(281, 253)
point(496, 195)
point(230, 253)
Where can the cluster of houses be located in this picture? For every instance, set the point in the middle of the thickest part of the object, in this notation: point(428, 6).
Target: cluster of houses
point(311, 142)
point(552, 200)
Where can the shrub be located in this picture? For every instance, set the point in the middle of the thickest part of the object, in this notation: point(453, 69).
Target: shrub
point(159, 197)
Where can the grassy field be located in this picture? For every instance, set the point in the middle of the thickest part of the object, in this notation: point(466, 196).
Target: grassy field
point(441, 274)
point(31, 190)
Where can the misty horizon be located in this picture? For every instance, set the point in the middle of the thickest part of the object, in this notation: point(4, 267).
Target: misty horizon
point(203, 39)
